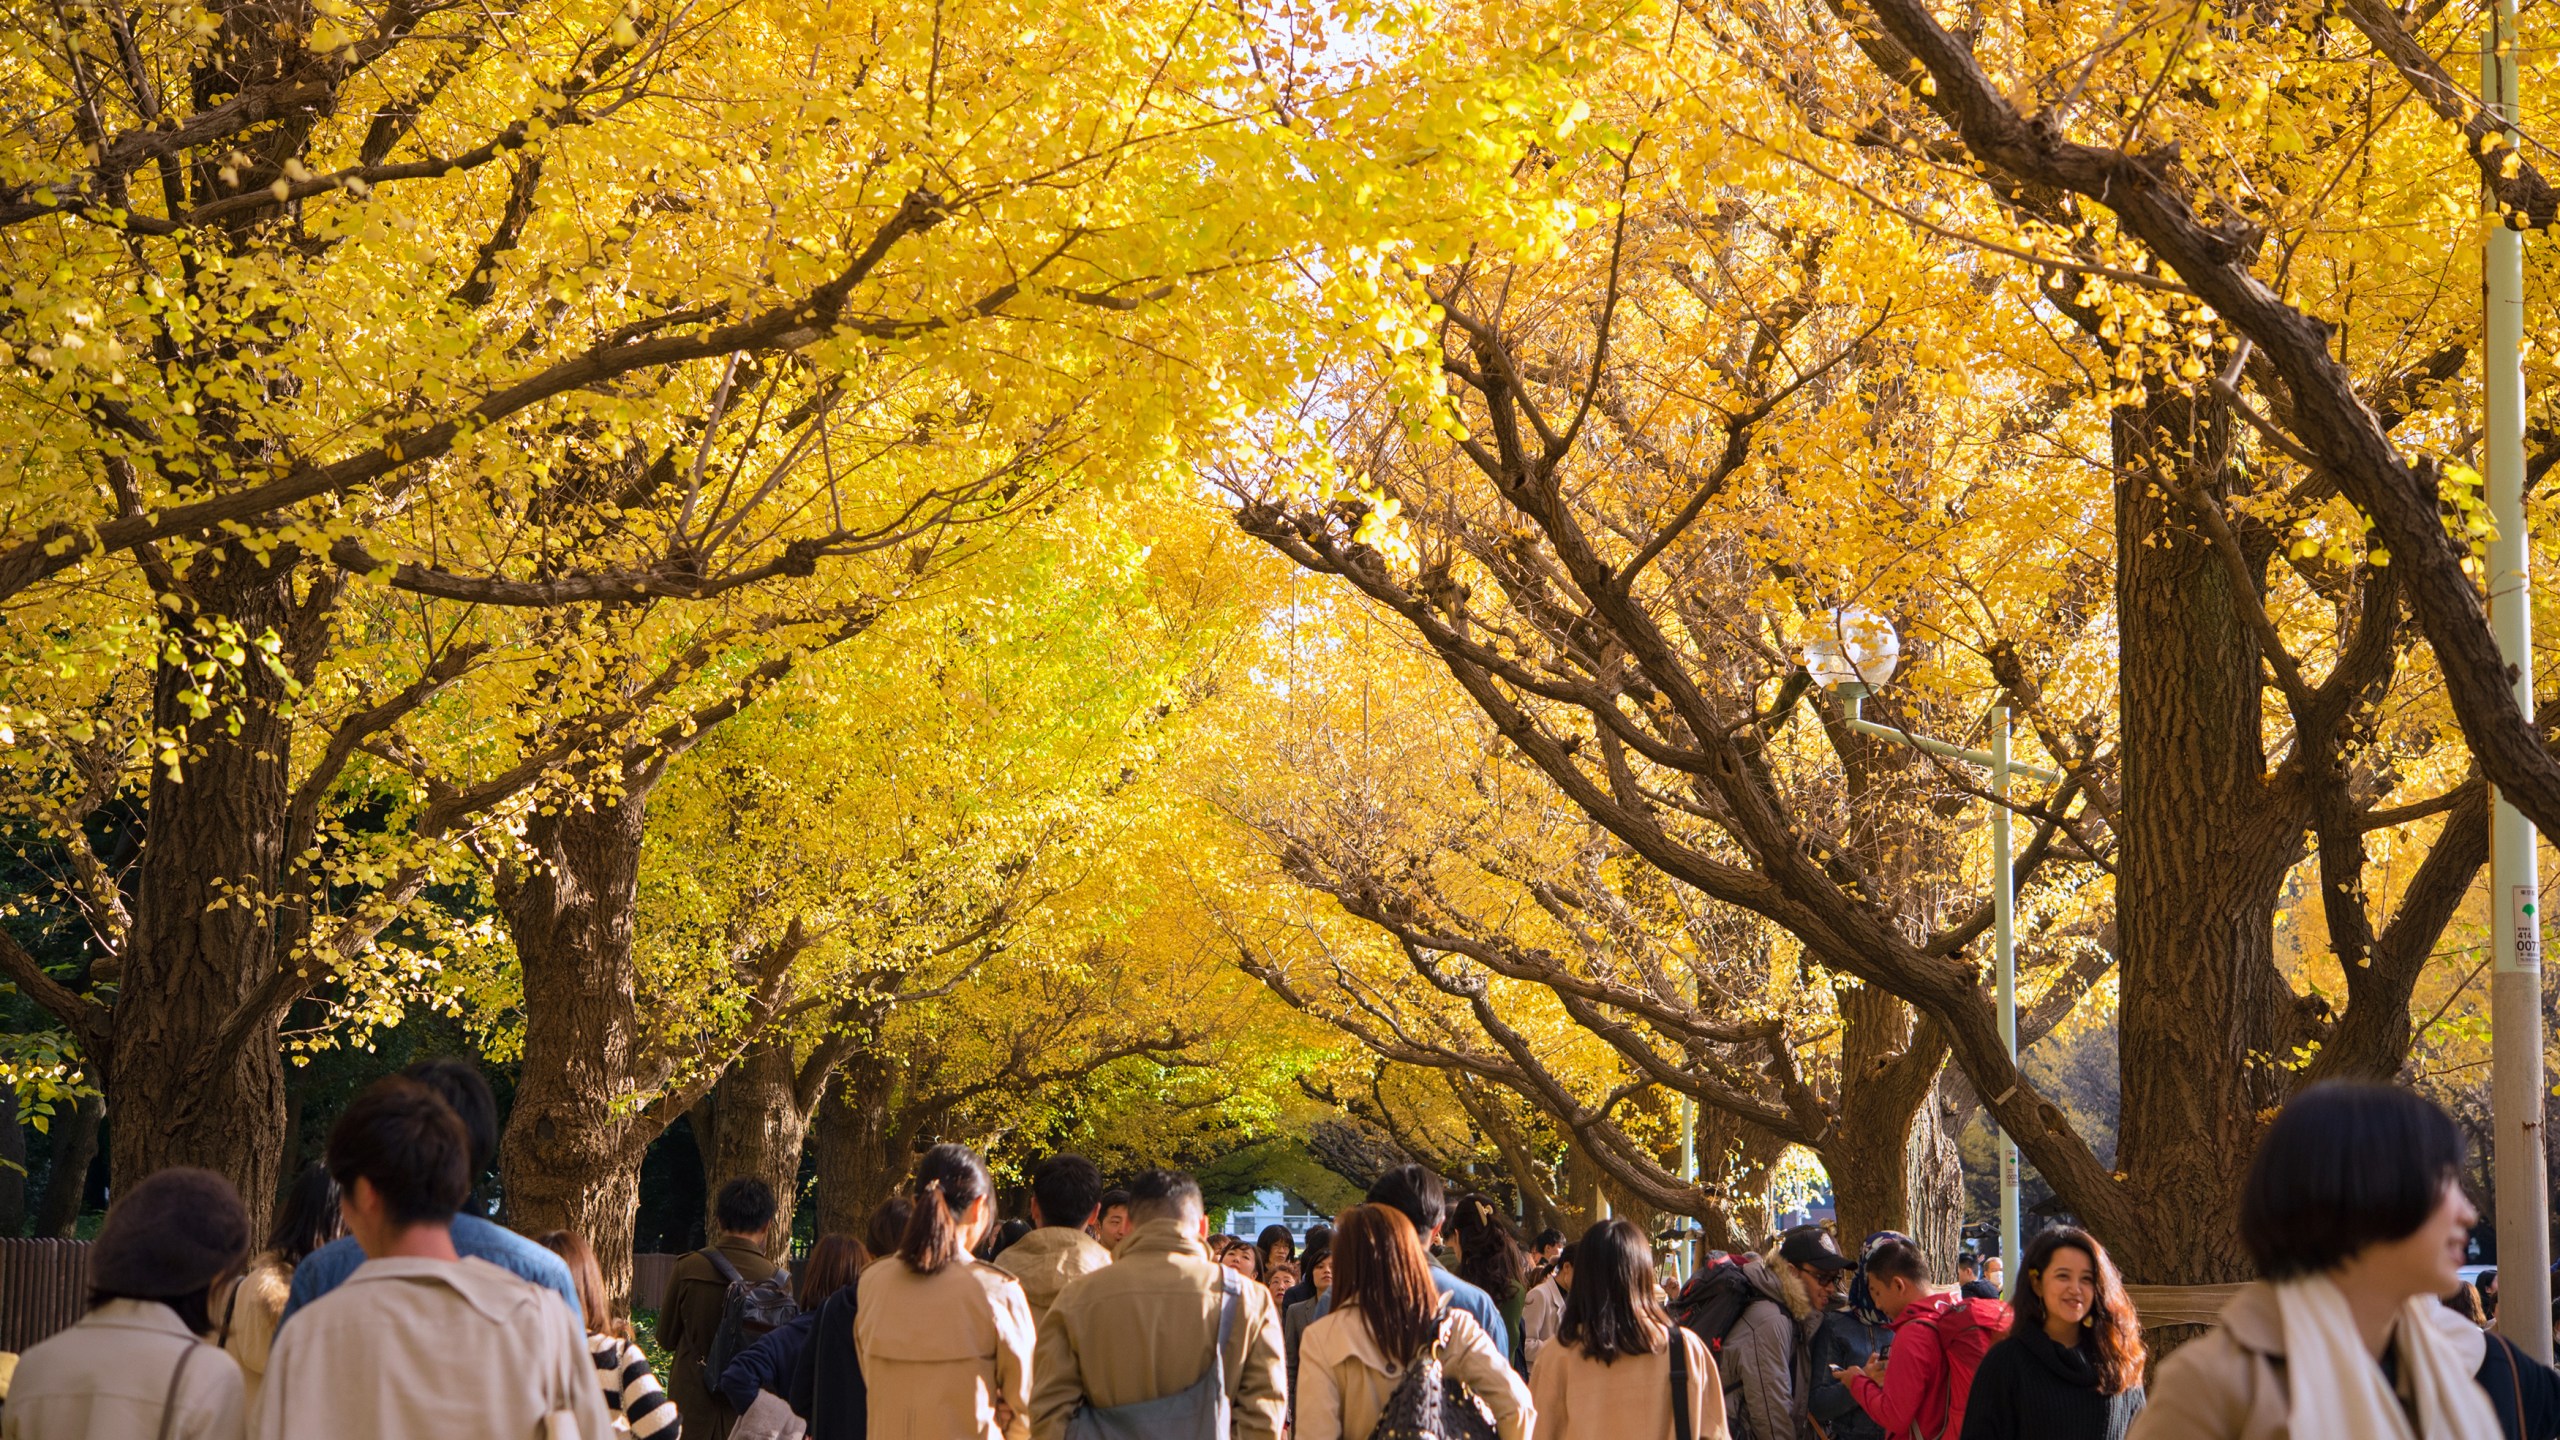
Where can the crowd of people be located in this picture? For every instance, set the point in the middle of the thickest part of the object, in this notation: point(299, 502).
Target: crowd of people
point(378, 1309)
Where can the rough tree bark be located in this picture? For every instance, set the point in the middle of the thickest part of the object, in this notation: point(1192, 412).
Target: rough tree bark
point(864, 1152)
point(575, 1139)
point(195, 1066)
point(75, 1146)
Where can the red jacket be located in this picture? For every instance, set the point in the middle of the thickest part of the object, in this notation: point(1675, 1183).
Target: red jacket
point(1937, 1345)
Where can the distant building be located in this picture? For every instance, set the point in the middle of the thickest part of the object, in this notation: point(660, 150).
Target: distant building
point(1273, 1207)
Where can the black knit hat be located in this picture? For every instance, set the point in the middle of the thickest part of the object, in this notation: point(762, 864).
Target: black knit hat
point(169, 1235)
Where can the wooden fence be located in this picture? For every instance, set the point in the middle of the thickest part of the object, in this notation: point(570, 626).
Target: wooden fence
point(44, 1286)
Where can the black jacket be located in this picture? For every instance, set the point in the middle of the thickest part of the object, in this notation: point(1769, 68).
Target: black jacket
point(826, 1386)
point(2523, 1391)
point(1843, 1342)
point(2030, 1388)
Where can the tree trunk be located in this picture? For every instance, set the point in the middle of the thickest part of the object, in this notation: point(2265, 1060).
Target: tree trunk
point(75, 1146)
point(202, 942)
point(1892, 1166)
point(861, 1150)
point(13, 1176)
point(2207, 1019)
point(757, 1128)
point(574, 1141)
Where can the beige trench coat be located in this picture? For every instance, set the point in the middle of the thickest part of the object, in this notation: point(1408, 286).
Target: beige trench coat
point(946, 1356)
point(1146, 1327)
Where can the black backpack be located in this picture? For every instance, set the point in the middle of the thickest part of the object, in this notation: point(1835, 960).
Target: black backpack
point(1713, 1300)
point(750, 1311)
point(1428, 1405)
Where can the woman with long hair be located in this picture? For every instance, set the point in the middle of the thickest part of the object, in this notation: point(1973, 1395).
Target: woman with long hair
point(757, 1381)
point(1275, 1246)
point(2354, 1215)
point(246, 1311)
point(827, 1389)
point(1612, 1372)
point(2071, 1368)
point(944, 1338)
point(1489, 1258)
point(1387, 1316)
point(632, 1395)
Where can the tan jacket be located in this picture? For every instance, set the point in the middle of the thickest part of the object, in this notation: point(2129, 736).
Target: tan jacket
point(942, 1352)
point(245, 1314)
point(2230, 1384)
point(1628, 1399)
point(1146, 1327)
point(1540, 1314)
point(1344, 1379)
point(1046, 1259)
point(417, 1349)
point(107, 1378)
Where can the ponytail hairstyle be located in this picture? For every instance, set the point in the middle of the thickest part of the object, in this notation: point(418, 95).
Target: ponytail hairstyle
point(949, 1179)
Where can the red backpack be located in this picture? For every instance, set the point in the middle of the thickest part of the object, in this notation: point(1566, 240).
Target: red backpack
point(1966, 1329)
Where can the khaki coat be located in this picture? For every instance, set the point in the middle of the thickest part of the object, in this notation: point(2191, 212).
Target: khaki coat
point(1345, 1379)
point(1579, 1398)
point(245, 1314)
point(688, 1318)
point(107, 1378)
point(1046, 1259)
point(2230, 1384)
point(1146, 1327)
point(420, 1349)
point(946, 1355)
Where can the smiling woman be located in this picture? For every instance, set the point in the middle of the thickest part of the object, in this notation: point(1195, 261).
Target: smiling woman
point(2072, 1365)
point(2354, 1214)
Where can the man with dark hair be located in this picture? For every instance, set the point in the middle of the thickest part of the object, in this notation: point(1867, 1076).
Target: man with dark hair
point(458, 1083)
point(1970, 1281)
point(1066, 1196)
point(1425, 1201)
point(698, 1292)
point(1146, 1330)
point(506, 1357)
point(1112, 1225)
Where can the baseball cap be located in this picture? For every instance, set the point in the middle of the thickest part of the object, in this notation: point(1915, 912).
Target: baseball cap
point(1811, 1245)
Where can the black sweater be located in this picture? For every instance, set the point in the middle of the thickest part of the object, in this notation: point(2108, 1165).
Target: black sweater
point(2030, 1388)
point(826, 1386)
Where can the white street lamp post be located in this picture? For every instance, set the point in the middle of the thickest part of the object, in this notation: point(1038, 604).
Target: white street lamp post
point(1860, 656)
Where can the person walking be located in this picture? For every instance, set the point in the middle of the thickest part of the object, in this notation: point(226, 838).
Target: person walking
point(1851, 1333)
point(1164, 1338)
point(1295, 1319)
point(1543, 1310)
point(1919, 1387)
point(1319, 1240)
point(757, 1382)
point(465, 1091)
point(1066, 1197)
point(1489, 1258)
point(1418, 1195)
point(1388, 1314)
point(1619, 1369)
point(1971, 1283)
point(1113, 1226)
point(639, 1405)
point(827, 1390)
point(2071, 1368)
point(1768, 1352)
point(248, 1309)
point(137, 1364)
point(2354, 1215)
point(423, 1342)
point(697, 1296)
point(944, 1338)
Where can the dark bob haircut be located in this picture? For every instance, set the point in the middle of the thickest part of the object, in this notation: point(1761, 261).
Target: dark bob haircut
point(2345, 1166)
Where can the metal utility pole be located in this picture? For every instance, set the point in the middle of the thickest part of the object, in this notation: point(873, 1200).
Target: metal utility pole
point(2004, 917)
point(2004, 941)
point(1685, 1256)
point(2515, 887)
